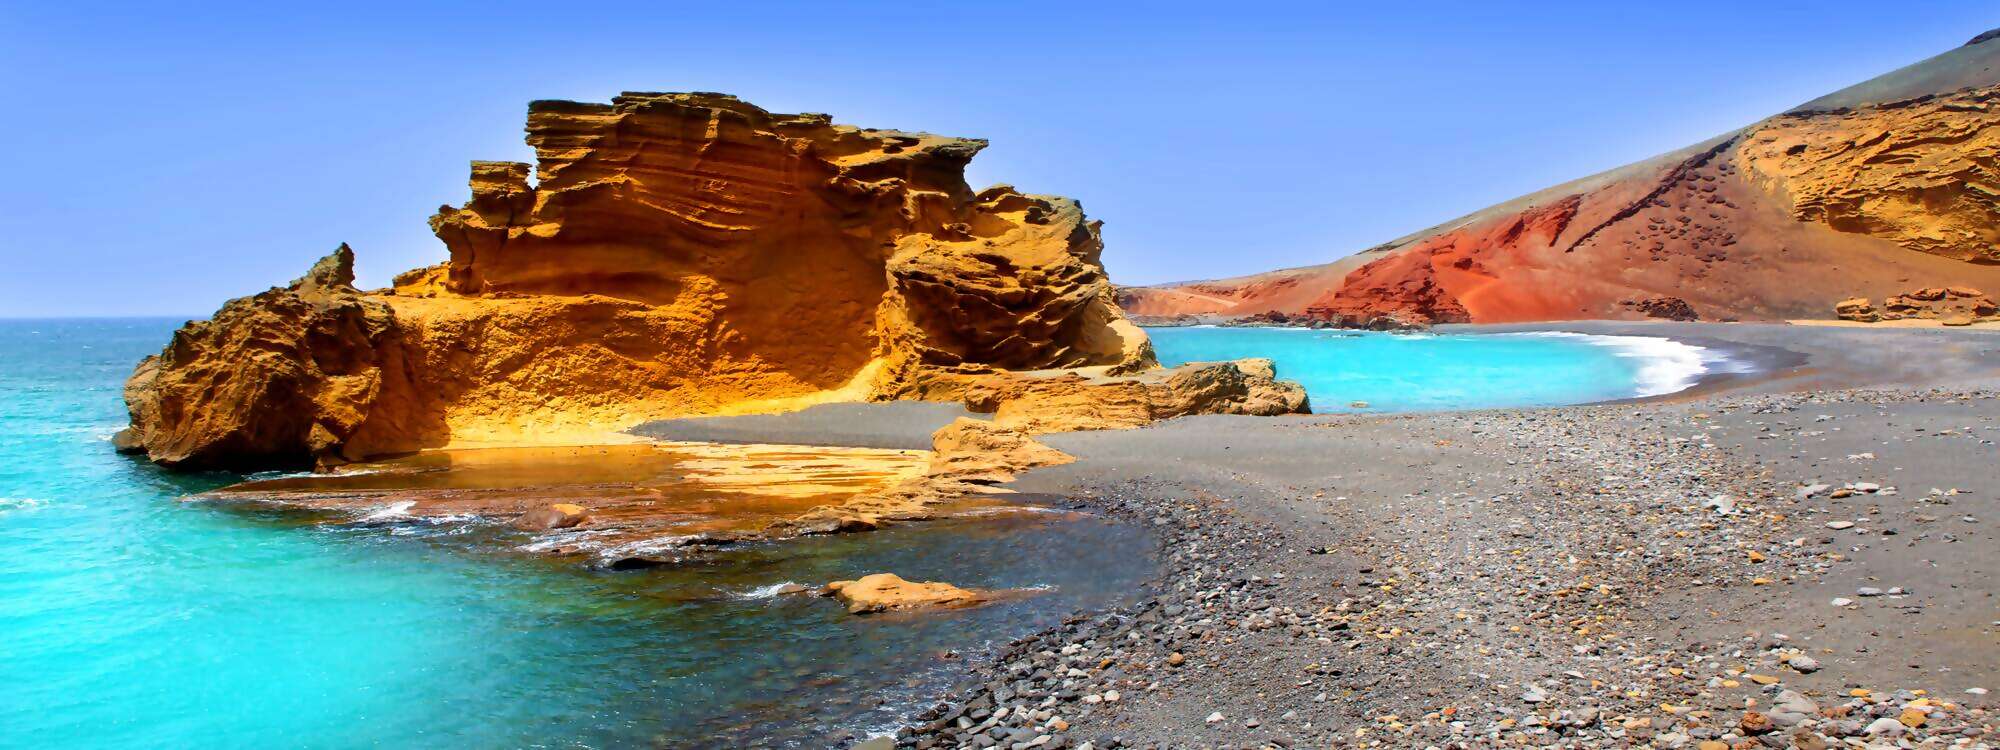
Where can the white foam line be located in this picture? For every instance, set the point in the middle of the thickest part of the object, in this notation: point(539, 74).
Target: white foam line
point(581, 539)
point(21, 503)
point(766, 592)
point(398, 509)
point(1666, 366)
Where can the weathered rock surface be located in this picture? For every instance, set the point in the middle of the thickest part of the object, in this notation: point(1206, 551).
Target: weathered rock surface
point(883, 592)
point(277, 377)
point(552, 516)
point(1667, 308)
point(971, 450)
point(1955, 305)
point(1919, 173)
point(1866, 192)
point(1066, 402)
point(675, 254)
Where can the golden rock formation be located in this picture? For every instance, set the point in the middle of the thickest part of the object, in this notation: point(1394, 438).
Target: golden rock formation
point(1920, 173)
point(675, 254)
point(300, 366)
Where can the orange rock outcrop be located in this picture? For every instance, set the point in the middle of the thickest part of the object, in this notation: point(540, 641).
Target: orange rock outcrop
point(884, 592)
point(1955, 305)
point(1920, 173)
point(673, 254)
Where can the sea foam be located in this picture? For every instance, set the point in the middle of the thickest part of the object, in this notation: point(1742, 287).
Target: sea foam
point(1665, 365)
point(766, 592)
point(21, 503)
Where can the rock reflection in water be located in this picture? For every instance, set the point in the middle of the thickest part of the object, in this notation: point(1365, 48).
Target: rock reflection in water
point(640, 498)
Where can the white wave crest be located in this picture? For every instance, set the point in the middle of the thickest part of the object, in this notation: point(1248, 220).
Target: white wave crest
point(766, 592)
point(395, 510)
point(582, 540)
point(21, 503)
point(1665, 365)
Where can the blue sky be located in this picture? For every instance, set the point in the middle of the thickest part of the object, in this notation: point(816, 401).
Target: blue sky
point(164, 157)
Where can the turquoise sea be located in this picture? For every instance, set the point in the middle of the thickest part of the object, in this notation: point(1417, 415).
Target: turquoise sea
point(1425, 371)
point(131, 620)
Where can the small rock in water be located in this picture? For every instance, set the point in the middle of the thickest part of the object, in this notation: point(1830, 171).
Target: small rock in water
point(553, 516)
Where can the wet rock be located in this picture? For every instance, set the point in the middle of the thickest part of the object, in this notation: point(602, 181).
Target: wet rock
point(552, 516)
point(882, 592)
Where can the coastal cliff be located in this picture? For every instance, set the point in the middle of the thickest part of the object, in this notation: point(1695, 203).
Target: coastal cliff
point(1869, 192)
point(673, 254)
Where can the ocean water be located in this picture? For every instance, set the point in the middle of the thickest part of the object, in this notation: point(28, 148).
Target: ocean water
point(130, 619)
point(1423, 371)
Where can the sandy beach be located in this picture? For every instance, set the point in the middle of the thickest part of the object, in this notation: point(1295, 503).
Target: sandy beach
point(1595, 575)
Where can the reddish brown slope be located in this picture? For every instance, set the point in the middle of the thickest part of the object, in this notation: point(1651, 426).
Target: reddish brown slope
point(1779, 220)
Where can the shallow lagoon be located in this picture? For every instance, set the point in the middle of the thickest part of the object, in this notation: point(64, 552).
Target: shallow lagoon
point(1425, 371)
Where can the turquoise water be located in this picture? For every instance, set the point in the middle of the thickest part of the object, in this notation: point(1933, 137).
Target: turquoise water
point(128, 619)
point(1417, 372)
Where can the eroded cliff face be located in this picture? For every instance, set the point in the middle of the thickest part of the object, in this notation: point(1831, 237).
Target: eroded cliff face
point(1919, 173)
point(673, 254)
point(272, 378)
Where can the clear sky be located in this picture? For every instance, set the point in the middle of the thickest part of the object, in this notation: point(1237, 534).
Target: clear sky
point(165, 156)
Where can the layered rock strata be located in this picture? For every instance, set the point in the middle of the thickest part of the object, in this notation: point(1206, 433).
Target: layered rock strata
point(1948, 305)
point(1920, 173)
point(667, 254)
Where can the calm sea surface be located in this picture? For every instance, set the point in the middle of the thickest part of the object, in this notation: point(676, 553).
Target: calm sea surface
point(1418, 372)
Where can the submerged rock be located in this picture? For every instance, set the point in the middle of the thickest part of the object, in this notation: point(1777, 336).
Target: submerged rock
point(882, 592)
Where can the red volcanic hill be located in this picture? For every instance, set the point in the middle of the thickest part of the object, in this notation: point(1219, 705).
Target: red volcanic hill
point(1874, 190)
